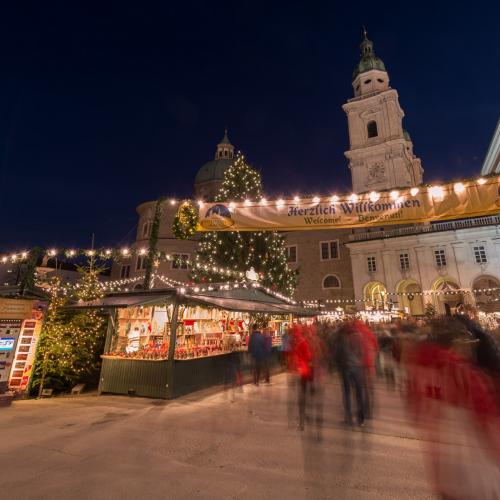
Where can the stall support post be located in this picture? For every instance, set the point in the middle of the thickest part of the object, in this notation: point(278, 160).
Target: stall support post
point(171, 351)
point(109, 337)
point(111, 330)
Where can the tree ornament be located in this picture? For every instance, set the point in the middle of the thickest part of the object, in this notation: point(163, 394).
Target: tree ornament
point(185, 221)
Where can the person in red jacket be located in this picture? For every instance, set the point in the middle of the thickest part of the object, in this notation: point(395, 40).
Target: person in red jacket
point(302, 363)
point(454, 405)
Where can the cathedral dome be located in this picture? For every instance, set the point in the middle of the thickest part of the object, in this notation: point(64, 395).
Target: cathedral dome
point(211, 174)
point(213, 170)
point(369, 60)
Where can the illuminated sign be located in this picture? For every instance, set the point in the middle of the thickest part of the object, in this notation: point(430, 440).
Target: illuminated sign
point(6, 343)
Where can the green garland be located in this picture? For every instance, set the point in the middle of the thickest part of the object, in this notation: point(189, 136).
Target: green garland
point(153, 242)
point(185, 221)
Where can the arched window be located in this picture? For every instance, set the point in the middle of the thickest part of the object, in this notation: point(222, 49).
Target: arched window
point(372, 129)
point(331, 281)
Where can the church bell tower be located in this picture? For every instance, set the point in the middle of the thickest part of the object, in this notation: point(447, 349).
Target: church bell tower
point(381, 152)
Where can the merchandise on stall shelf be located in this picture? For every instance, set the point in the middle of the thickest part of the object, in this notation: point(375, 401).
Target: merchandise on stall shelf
point(144, 332)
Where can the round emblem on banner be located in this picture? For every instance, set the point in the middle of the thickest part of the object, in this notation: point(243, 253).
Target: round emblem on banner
point(217, 217)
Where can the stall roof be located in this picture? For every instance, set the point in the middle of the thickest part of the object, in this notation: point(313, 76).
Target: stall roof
point(239, 299)
point(246, 305)
point(126, 299)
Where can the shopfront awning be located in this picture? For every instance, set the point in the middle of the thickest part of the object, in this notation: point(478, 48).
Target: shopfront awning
point(244, 300)
point(125, 300)
point(247, 305)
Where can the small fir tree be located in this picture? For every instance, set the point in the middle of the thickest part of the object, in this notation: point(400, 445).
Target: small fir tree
point(51, 354)
point(70, 343)
point(263, 250)
point(87, 328)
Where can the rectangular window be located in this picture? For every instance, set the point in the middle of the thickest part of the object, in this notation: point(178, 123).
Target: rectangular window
point(480, 254)
point(291, 253)
point(125, 271)
point(146, 229)
point(329, 249)
point(372, 264)
point(404, 261)
point(141, 263)
point(180, 260)
point(440, 258)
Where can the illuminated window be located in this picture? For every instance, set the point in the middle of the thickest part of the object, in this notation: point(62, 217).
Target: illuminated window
point(125, 271)
point(291, 253)
point(404, 261)
point(180, 261)
point(331, 281)
point(372, 264)
point(372, 129)
point(480, 254)
point(329, 250)
point(440, 258)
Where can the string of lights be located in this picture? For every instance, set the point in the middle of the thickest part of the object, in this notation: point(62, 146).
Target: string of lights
point(435, 191)
point(317, 302)
point(121, 255)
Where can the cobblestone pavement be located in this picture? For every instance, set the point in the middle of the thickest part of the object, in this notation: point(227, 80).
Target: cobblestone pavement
point(205, 446)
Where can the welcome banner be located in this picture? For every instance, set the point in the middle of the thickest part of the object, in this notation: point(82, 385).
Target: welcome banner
point(469, 198)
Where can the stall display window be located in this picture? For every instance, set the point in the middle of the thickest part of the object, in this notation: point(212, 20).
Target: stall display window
point(144, 332)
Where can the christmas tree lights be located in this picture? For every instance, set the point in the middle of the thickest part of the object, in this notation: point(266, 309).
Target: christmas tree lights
point(240, 251)
point(70, 343)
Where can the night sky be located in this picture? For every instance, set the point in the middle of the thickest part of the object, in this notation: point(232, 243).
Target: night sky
point(105, 106)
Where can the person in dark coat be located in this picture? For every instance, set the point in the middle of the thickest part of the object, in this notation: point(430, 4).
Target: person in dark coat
point(349, 355)
point(266, 353)
point(256, 350)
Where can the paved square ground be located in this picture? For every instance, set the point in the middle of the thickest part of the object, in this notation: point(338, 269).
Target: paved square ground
point(205, 446)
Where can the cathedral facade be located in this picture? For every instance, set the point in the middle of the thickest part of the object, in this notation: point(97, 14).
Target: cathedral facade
point(336, 266)
point(380, 157)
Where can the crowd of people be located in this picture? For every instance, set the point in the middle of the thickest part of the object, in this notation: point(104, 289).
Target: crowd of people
point(448, 371)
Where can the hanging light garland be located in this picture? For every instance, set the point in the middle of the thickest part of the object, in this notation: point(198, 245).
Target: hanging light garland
point(345, 300)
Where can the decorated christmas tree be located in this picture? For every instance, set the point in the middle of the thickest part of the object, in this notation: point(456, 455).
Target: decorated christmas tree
point(70, 343)
point(49, 367)
point(86, 328)
point(240, 251)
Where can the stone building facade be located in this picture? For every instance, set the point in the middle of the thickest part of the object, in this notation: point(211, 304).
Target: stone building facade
point(398, 264)
point(182, 250)
point(380, 157)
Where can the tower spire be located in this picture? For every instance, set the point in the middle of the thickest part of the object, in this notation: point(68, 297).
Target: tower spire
point(368, 59)
point(224, 149)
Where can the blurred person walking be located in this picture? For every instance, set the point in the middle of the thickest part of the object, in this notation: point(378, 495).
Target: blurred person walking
point(370, 351)
point(256, 350)
point(267, 344)
point(349, 356)
point(455, 406)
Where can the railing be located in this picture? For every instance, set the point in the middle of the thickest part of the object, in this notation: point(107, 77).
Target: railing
point(491, 220)
point(364, 96)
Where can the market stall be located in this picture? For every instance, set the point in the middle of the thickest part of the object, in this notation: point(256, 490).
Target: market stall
point(163, 343)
